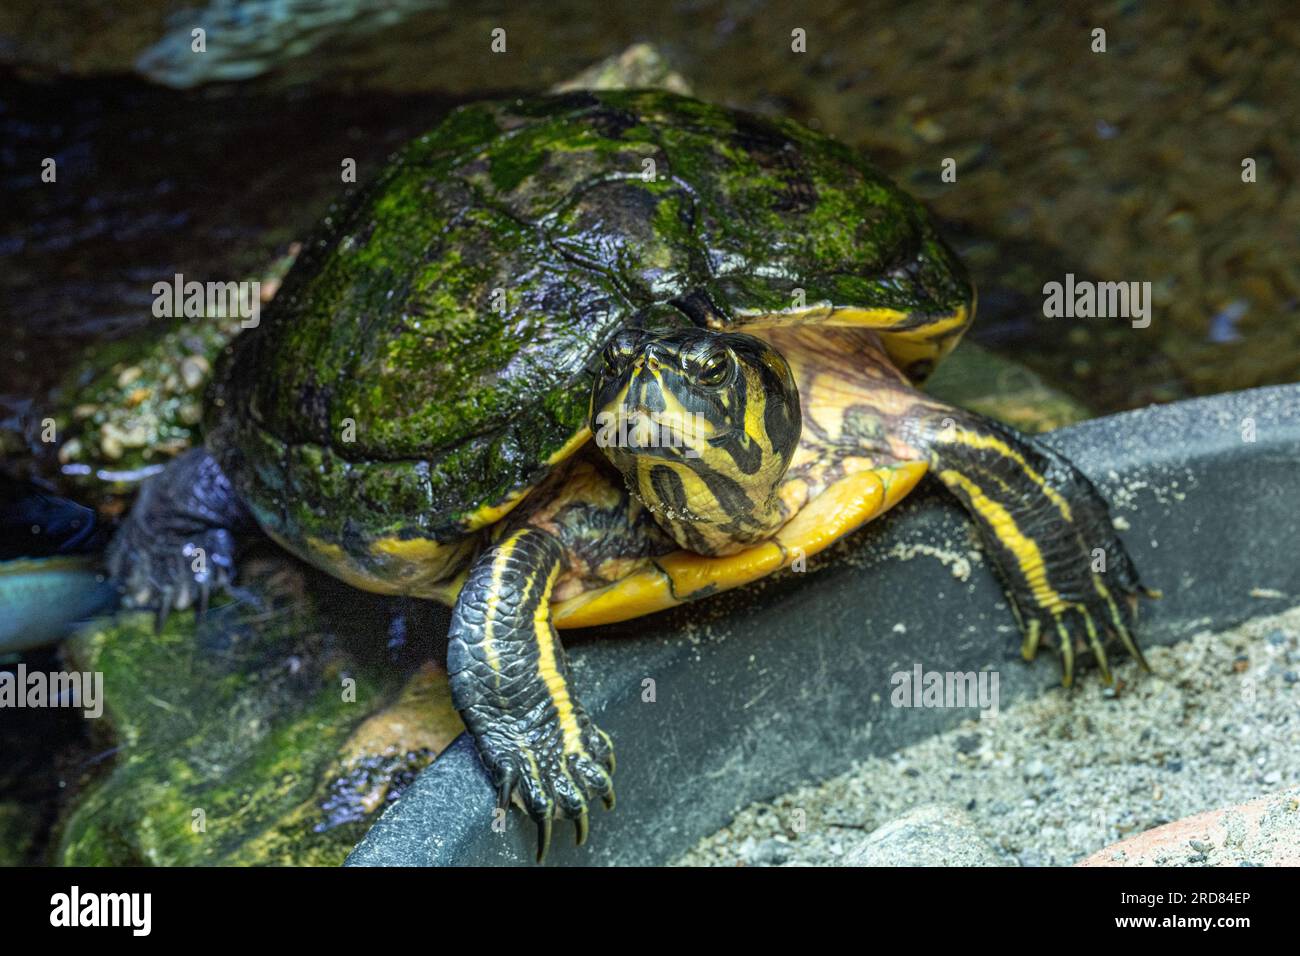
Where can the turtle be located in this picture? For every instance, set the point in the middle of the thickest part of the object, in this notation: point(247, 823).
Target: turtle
point(573, 359)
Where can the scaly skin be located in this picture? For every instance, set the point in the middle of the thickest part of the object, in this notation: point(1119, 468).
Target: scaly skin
point(510, 684)
point(1048, 531)
point(454, 309)
point(177, 545)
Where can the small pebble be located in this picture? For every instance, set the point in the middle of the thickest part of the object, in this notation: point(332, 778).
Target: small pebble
point(194, 371)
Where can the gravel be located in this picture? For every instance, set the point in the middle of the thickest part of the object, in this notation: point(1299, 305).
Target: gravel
point(1054, 779)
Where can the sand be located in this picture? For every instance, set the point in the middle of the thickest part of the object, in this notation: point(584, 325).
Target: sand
point(1057, 778)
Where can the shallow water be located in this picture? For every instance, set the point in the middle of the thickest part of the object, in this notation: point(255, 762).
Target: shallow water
point(152, 182)
point(1123, 165)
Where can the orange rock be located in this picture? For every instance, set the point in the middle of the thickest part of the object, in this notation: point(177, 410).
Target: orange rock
point(1264, 831)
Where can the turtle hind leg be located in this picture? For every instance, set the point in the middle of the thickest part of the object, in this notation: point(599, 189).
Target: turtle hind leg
point(177, 544)
point(1069, 578)
point(509, 681)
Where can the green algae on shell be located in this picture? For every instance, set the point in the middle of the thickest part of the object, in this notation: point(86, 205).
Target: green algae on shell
point(430, 355)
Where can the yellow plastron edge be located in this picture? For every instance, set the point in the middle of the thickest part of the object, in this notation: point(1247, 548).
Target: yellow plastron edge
point(677, 577)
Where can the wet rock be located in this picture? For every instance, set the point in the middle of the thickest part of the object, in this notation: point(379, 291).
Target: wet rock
point(932, 835)
point(128, 407)
point(272, 733)
point(383, 755)
point(640, 66)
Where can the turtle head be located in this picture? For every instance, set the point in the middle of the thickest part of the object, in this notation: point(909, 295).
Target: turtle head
point(702, 425)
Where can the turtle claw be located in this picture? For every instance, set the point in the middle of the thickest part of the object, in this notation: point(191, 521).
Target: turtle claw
point(1124, 632)
point(1098, 651)
point(543, 838)
point(1076, 627)
point(550, 782)
point(1049, 534)
point(610, 762)
point(504, 791)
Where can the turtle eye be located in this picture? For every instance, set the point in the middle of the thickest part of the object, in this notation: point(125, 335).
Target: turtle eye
point(716, 369)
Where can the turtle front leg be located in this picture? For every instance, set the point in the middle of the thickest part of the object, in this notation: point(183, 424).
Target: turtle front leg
point(1047, 529)
point(509, 682)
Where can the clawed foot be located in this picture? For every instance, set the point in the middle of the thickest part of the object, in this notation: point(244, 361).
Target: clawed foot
point(1107, 611)
point(170, 572)
point(1048, 533)
point(558, 769)
point(510, 683)
point(176, 546)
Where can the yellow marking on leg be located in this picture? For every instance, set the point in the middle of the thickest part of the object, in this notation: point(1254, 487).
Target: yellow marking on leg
point(1022, 547)
point(498, 569)
point(548, 669)
point(676, 577)
point(993, 443)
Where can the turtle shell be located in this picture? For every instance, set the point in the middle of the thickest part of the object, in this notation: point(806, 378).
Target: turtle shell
point(429, 357)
